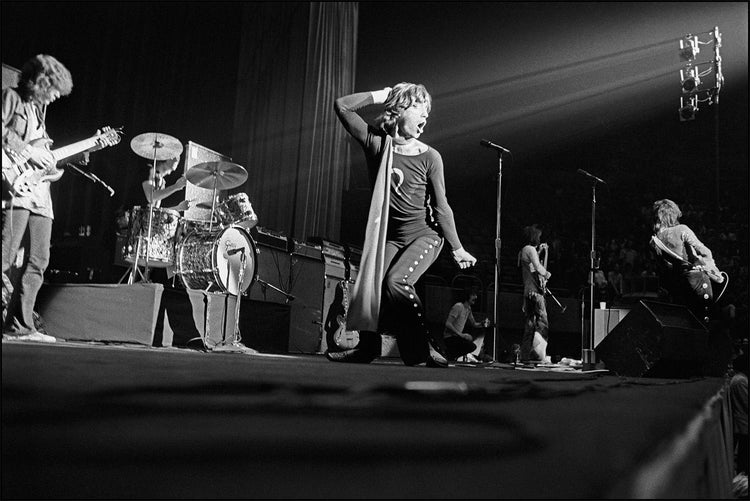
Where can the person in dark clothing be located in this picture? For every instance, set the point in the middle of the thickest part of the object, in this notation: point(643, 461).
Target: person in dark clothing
point(409, 221)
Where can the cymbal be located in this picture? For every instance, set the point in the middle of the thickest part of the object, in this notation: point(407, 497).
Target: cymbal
point(225, 175)
point(154, 144)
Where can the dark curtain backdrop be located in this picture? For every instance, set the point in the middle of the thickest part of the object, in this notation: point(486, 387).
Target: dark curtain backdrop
point(295, 59)
point(233, 77)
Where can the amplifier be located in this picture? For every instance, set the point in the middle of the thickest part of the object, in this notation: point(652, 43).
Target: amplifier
point(355, 254)
point(308, 250)
point(270, 238)
point(332, 248)
point(334, 267)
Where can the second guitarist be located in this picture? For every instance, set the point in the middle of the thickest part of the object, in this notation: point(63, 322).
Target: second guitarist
point(535, 276)
point(43, 80)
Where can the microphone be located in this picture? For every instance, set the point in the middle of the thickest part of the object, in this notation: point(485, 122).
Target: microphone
point(235, 251)
point(490, 144)
point(581, 171)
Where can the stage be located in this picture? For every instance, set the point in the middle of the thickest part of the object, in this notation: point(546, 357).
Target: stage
point(90, 419)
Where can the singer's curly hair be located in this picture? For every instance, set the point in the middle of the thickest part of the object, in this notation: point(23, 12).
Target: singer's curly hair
point(402, 96)
point(42, 74)
point(666, 214)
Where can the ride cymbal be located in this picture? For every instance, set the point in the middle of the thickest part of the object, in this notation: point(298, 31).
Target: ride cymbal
point(218, 174)
point(154, 145)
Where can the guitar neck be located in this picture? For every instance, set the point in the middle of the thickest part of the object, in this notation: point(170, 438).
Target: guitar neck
point(75, 148)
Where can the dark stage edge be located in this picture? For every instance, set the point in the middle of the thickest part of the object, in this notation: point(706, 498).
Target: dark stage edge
point(91, 420)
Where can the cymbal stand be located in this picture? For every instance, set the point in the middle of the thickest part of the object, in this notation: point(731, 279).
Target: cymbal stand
point(150, 223)
point(213, 209)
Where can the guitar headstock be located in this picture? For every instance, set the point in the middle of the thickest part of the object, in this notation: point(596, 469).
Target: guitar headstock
point(109, 136)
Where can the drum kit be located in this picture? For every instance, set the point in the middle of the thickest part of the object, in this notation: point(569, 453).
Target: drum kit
point(214, 255)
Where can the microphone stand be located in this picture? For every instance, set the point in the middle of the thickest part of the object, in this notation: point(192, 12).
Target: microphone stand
point(588, 356)
point(498, 246)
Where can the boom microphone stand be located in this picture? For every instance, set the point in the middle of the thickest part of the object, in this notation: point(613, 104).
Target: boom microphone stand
point(588, 356)
point(500, 150)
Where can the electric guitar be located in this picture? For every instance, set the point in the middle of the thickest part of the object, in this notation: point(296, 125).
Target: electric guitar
point(22, 176)
point(706, 264)
point(337, 333)
point(542, 279)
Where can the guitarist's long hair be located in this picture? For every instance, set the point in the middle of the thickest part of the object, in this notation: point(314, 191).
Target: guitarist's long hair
point(40, 75)
point(533, 235)
point(666, 214)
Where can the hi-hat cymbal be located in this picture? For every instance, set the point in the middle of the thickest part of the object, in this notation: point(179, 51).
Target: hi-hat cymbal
point(222, 175)
point(154, 145)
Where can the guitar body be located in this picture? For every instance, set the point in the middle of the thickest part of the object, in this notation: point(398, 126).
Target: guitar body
point(338, 336)
point(709, 266)
point(23, 177)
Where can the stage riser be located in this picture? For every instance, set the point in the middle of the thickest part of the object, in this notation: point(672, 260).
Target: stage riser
point(101, 312)
point(148, 314)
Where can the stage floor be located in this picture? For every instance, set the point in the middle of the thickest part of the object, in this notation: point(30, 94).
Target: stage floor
point(93, 420)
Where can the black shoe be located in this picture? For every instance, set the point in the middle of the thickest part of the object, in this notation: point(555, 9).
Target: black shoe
point(353, 356)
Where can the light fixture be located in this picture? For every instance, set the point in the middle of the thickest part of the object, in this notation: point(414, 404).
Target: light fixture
point(689, 48)
point(688, 108)
point(690, 80)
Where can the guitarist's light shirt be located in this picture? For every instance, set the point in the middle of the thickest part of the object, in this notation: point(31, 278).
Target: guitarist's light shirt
point(531, 268)
point(682, 241)
point(20, 112)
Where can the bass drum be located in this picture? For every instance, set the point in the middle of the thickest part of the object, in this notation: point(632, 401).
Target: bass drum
point(212, 261)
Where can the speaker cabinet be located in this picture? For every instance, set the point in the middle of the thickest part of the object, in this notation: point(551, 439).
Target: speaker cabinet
point(196, 154)
point(656, 340)
point(306, 285)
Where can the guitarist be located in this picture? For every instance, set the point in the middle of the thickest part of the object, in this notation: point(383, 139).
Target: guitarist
point(535, 276)
point(43, 80)
point(681, 254)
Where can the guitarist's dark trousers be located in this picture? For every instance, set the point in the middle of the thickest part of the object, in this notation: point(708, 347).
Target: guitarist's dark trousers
point(19, 308)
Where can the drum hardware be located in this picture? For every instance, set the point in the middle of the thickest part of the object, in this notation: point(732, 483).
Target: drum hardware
point(217, 175)
point(153, 146)
point(235, 345)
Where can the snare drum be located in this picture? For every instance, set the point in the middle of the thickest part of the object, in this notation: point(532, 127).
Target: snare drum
point(161, 245)
point(213, 260)
point(237, 210)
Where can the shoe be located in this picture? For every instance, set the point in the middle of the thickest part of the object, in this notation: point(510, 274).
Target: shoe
point(353, 356)
point(436, 359)
point(472, 359)
point(37, 337)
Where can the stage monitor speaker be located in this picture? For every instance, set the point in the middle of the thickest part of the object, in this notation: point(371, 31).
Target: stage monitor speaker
point(656, 340)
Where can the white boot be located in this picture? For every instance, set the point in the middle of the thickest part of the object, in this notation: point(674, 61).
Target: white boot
point(539, 345)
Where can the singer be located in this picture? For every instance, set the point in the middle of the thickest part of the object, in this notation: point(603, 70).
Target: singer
point(43, 80)
point(409, 221)
point(535, 276)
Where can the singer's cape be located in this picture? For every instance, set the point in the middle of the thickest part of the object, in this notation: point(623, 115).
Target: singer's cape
point(364, 305)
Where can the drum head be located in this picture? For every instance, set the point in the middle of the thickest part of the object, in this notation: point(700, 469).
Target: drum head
point(232, 244)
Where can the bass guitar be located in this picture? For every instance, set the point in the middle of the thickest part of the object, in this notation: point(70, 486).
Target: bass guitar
point(337, 335)
point(22, 176)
